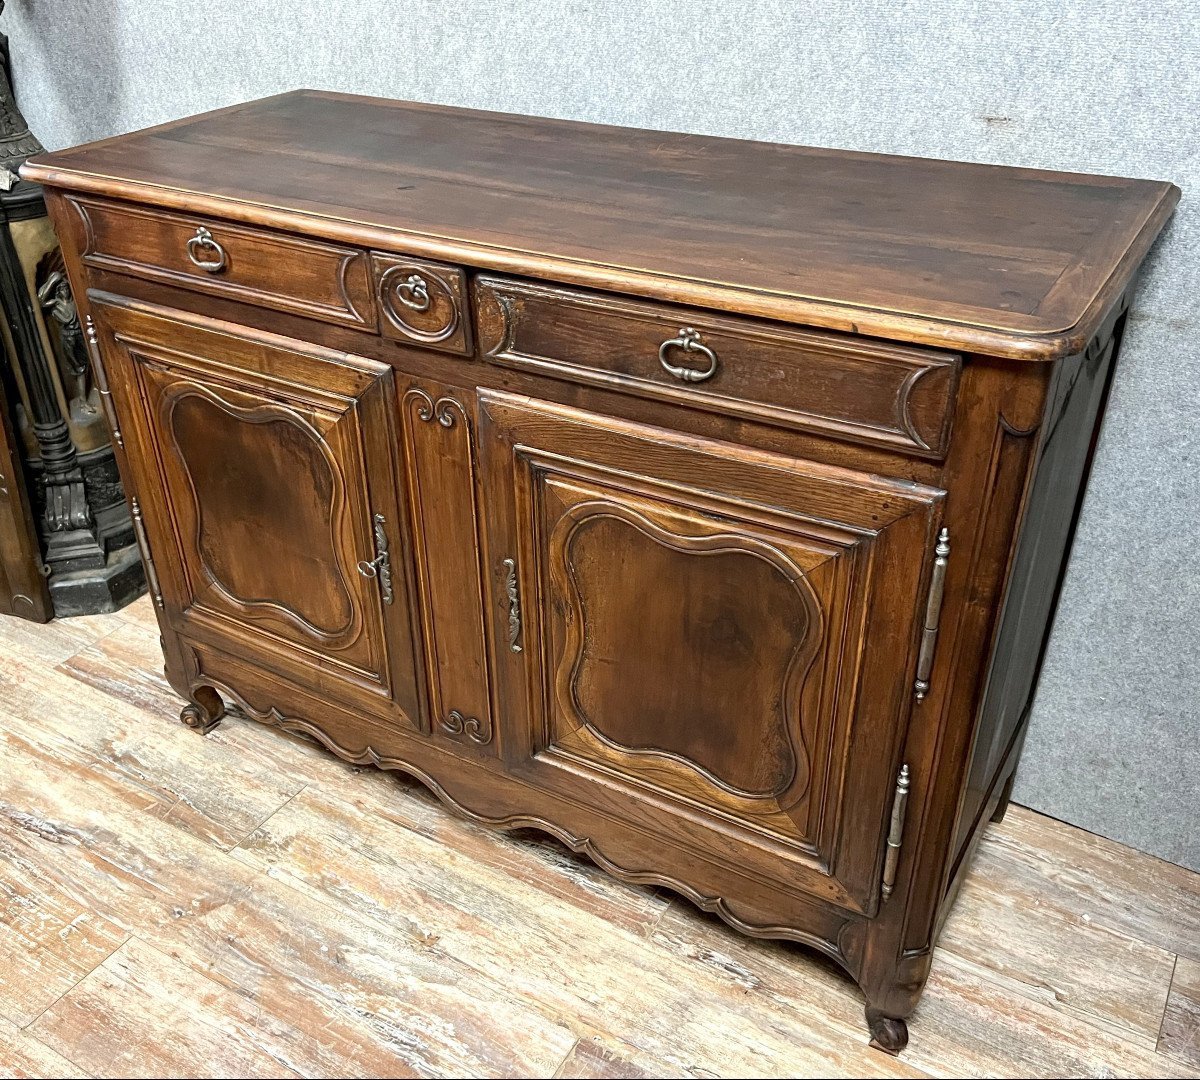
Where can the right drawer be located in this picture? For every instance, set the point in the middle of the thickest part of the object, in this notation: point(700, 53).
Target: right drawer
point(849, 388)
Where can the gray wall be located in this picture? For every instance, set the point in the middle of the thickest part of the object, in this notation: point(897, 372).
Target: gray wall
point(1105, 86)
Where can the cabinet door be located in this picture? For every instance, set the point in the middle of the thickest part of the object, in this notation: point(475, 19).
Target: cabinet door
point(266, 482)
point(714, 643)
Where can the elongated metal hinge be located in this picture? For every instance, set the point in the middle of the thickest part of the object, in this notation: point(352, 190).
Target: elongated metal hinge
point(895, 833)
point(380, 567)
point(110, 413)
point(139, 528)
point(933, 614)
point(514, 604)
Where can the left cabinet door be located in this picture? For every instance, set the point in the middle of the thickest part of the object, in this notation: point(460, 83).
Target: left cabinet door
point(264, 470)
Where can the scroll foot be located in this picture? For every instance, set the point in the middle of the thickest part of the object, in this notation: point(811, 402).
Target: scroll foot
point(205, 711)
point(887, 1032)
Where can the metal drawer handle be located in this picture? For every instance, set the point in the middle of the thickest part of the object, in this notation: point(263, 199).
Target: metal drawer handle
point(413, 292)
point(204, 239)
point(689, 341)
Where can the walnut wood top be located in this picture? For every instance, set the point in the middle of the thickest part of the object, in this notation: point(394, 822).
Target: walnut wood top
point(1012, 262)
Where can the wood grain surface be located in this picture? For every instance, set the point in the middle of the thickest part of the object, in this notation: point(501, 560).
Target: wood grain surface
point(249, 905)
point(1180, 1036)
point(880, 245)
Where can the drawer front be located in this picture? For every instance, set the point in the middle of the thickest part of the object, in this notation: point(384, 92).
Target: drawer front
point(422, 303)
point(255, 266)
point(848, 388)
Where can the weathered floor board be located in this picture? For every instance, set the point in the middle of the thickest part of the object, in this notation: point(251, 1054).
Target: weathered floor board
point(23, 1055)
point(332, 994)
point(142, 1013)
point(1180, 1036)
point(246, 904)
point(555, 948)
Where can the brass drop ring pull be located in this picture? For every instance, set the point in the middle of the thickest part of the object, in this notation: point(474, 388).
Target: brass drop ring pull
point(413, 292)
point(204, 239)
point(689, 341)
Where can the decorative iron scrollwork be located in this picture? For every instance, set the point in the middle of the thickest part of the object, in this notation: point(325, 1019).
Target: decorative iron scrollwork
point(381, 566)
point(514, 605)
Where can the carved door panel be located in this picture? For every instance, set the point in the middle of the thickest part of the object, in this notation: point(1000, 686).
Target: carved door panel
point(23, 590)
point(720, 643)
point(266, 484)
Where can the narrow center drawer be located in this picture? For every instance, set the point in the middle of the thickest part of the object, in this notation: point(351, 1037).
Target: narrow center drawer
point(845, 387)
point(255, 266)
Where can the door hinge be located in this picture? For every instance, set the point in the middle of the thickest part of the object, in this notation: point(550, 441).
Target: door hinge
point(895, 833)
point(933, 614)
point(110, 412)
point(381, 566)
point(139, 528)
point(514, 604)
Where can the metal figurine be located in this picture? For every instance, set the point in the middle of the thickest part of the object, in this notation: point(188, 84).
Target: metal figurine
point(54, 294)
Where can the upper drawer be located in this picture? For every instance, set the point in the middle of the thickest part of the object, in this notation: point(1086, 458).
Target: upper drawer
point(256, 266)
point(850, 388)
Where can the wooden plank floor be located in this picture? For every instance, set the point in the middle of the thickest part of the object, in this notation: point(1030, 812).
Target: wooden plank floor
point(248, 905)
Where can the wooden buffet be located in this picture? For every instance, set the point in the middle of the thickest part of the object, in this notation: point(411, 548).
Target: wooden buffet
point(701, 502)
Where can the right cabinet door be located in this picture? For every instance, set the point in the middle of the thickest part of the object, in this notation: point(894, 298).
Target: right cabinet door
point(713, 643)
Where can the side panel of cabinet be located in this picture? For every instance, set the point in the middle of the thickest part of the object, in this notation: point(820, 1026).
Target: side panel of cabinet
point(266, 483)
point(717, 643)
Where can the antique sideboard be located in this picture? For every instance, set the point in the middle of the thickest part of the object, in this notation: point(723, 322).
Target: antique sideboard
point(701, 502)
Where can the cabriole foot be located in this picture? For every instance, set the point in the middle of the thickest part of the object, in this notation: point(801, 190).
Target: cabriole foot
point(887, 1032)
point(204, 711)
